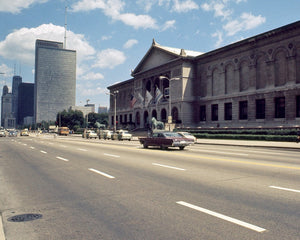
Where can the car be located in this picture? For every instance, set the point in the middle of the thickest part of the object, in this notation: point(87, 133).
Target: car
point(124, 135)
point(2, 133)
point(24, 132)
point(188, 135)
point(91, 134)
point(164, 140)
point(107, 134)
point(12, 133)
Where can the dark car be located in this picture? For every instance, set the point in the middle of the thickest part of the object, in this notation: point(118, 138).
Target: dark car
point(12, 133)
point(165, 140)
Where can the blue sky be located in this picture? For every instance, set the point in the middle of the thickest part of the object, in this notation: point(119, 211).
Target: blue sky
point(112, 36)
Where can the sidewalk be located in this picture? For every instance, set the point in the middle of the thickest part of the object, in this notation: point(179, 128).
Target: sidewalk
point(267, 144)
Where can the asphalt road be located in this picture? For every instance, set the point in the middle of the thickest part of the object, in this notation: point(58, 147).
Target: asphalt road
point(74, 188)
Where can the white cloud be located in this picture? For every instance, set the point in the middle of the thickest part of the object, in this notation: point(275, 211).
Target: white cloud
point(86, 90)
point(20, 44)
point(137, 21)
point(218, 7)
point(246, 21)
point(5, 71)
point(17, 6)
point(109, 58)
point(168, 24)
point(184, 6)
point(92, 76)
point(113, 9)
point(130, 43)
point(219, 36)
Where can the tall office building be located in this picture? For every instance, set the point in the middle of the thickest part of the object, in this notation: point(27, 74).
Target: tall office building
point(7, 117)
point(17, 80)
point(55, 80)
point(25, 102)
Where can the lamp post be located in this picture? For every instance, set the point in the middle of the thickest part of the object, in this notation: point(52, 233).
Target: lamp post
point(170, 114)
point(114, 93)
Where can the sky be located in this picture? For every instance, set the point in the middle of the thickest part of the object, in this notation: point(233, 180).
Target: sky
point(112, 36)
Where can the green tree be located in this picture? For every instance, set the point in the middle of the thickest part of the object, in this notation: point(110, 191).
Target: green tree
point(70, 119)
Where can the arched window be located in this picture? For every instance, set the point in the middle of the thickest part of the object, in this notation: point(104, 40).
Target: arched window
point(175, 115)
point(137, 118)
point(148, 86)
point(154, 114)
point(146, 115)
point(163, 115)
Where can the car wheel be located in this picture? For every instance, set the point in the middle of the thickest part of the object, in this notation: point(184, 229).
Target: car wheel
point(145, 145)
point(181, 148)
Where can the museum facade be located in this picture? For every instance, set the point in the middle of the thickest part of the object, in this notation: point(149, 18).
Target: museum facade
point(251, 83)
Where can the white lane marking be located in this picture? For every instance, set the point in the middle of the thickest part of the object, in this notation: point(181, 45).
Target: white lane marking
point(166, 166)
point(32, 147)
point(63, 159)
point(63, 146)
point(101, 173)
point(221, 216)
point(2, 236)
point(24, 144)
point(81, 149)
point(228, 153)
point(285, 189)
point(43, 152)
point(111, 155)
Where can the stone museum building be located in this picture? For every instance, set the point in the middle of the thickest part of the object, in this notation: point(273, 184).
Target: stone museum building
point(251, 83)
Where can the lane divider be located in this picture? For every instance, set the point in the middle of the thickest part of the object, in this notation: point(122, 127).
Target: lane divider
point(221, 216)
point(166, 166)
point(111, 155)
point(101, 173)
point(43, 152)
point(285, 189)
point(63, 159)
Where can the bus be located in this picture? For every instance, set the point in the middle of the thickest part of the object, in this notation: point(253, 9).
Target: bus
point(63, 131)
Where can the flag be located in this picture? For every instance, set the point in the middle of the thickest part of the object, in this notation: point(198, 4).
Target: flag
point(141, 100)
point(158, 95)
point(148, 98)
point(132, 100)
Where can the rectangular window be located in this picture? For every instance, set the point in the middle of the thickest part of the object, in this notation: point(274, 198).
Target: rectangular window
point(243, 110)
point(280, 107)
point(214, 112)
point(298, 106)
point(130, 118)
point(203, 113)
point(260, 108)
point(228, 111)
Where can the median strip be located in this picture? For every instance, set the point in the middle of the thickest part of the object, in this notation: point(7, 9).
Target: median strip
point(221, 216)
point(285, 189)
point(101, 173)
point(166, 166)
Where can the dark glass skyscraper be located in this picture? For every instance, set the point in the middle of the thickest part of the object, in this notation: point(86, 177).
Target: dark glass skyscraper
point(25, 101)
point(55, 80)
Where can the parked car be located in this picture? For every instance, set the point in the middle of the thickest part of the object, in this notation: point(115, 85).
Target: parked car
point(107, 134)
point(188, 135)
point(91, 134)
point(124, 135)
point(2, 133)
point(24, 132)
point(164, 140)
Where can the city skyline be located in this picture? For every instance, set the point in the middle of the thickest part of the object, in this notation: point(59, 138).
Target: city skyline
point(115, 35)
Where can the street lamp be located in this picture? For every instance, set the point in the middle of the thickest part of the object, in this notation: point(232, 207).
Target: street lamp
point(170, 114)
point(114, 93)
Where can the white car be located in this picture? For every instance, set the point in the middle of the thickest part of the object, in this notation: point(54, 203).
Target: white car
point(107, 134)
point(91, 134)
point(124, 135)
point(2, 133)
point(188, 135)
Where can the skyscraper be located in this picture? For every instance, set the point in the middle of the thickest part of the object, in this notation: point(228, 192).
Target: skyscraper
point(25, 102)
point(17, 80)
point(55, 80)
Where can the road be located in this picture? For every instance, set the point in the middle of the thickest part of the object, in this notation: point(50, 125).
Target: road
point(74, 188)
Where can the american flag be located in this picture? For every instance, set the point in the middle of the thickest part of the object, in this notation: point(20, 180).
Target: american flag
point(132, 101)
